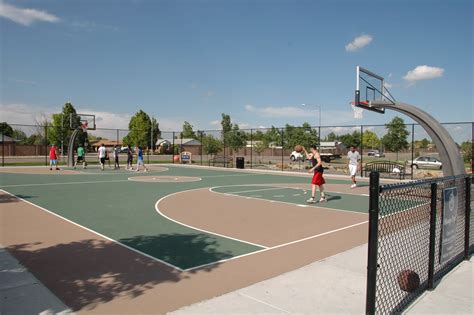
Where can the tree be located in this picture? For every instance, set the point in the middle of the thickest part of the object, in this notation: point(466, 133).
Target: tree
point(63, 125)
point(236, 139)
point(466, 151)
point(351, 140)
point(422, 144)
point(272, 137)
point(19, 135)
point(396, 137)
point(188, 131)
point(331, 137)
point(211, 145)
point(370, 140)
point(259, 147)
point(139, 130)
point(155, 132)
point(6, 129)
point(304, 135)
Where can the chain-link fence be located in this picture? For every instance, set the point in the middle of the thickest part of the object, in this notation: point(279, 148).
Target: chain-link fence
point(261, 148)
point(418, 232)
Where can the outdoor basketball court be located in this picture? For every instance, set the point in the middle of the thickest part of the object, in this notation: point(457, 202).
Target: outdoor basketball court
point(116, 241)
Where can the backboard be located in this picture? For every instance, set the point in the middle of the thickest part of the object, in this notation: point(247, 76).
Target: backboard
point(370, 87)
point(83, 121)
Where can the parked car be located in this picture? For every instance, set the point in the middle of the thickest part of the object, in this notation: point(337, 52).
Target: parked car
point(297, 156)
point(375, 153)
point(427, 162)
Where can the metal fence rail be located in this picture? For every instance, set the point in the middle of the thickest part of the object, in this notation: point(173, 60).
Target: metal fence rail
point(418, 232)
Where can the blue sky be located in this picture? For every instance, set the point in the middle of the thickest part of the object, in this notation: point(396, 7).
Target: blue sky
point(254, 60)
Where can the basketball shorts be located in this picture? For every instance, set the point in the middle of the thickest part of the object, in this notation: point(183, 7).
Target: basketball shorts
point(352, 169)
point(318, 179)
point(102, 160)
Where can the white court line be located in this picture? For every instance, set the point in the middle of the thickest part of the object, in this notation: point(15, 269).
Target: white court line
point(195, 228)
point(67, 183)
point(246, 191)
point(211, 189)
point(95, 232)
point(265, 303)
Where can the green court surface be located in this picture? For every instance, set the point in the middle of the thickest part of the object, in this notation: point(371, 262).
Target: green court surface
point(123, 210)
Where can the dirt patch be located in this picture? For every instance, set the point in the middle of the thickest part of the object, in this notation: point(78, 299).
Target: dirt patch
point(37, 170)
point(164, 179)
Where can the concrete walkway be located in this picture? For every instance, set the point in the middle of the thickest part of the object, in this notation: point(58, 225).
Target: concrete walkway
point(333, 285)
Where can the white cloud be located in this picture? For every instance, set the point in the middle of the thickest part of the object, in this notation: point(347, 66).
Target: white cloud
point(387, 85)
point(423, 73)
point(215, 123)
point(26, 17)
point(25, 114)
point(359, 42)
point(288, 111)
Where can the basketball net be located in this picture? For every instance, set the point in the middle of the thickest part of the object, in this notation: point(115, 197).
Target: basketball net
point(358, 112)
point(84, 126)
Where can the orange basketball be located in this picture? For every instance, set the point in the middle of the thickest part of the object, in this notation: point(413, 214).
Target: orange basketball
point(298, 148)
point(408, 280)
point(176, 158)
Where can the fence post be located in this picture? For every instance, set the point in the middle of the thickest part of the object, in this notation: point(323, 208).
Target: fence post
point(361, 150)
point(412, 148)
point(468, 218)
point(431, 254)
point(373, 242)
point(282, 147)
point(200, 146)
point(172, 150)
point(3, 149)
point(46, 144)
point(251, 149)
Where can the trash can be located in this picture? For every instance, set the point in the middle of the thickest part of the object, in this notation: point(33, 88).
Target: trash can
point(240, 162)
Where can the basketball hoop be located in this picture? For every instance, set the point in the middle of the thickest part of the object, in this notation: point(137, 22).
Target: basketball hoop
point(358, 112)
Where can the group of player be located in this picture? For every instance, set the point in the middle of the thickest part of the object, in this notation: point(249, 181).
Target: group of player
point(103, 155)
point(317, 169)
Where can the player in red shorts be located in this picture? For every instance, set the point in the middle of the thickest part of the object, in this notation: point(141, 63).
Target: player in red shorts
point(53, 158)
point(318, 178)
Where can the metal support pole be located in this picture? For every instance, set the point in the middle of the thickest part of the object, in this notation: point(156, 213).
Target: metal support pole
point(172, 150)
point(468, 218)
point(251, 148)
point(282, 148)
point(373, 242)
point(3, 149)
point(361, 150)
point(431, 254)
point(412, 147)
point(319, 137)
point(225, 156)
point(200, 147)
point(46, 144)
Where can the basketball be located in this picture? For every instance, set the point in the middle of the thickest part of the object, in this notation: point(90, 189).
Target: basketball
point(176, 158)
point(298, 148)
point(408, 280)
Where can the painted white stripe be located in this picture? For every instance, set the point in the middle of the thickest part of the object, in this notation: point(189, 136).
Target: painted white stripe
point(265, 303)
point(67, 183)
point(278, 246)
point(195, 228)
point(95, 232)
point(247, 191)
point(211, 189)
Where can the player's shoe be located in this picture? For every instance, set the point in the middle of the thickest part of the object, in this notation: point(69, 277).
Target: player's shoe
point(353, 185)
point(311, 200)
point(323, 199)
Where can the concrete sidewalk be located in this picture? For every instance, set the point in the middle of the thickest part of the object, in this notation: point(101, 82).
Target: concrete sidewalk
point(22, 293)
point(333, 285)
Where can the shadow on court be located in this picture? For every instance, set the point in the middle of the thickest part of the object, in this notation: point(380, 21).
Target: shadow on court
point(5, 198)
point(88, 273)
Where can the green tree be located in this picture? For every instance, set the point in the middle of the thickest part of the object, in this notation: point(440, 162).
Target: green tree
point(273, 136)
point(211, 145)
point(351, 139)
point(331, 137)
point(139, 130)
point(155, 132)
point(466, 151)
point(422, 144)
point(304, 135)
point(63, 125)
point(259, 147)
point(188, 131)
point(396, 137)
point(19, 135)
point(6, 129)
point(370, 140)
point(236, 138)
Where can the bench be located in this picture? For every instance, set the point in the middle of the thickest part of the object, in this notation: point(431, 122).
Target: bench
point(226, 161)
point(391, 168)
